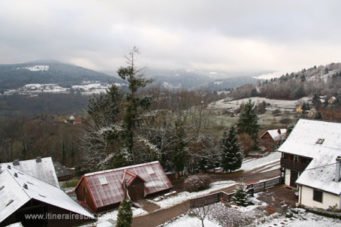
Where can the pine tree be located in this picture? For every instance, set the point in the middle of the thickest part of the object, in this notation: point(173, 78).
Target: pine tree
point(101, 138)
point(232, 156)
point(125, 214)
point(132, 75)
point(179, 153)
point(241, 197)
point(248, 121)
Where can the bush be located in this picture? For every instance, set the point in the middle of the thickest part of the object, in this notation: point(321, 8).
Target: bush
point(246, 142)
point(125, 214)
point(197, 183)
point(70, 183)
point(276, 112)
point(285, 121)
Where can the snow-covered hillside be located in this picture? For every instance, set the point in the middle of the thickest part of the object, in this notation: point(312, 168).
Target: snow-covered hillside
point(273, 103)
point(86, 88)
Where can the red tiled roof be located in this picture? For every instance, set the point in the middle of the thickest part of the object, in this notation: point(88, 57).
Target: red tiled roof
point(106, 186)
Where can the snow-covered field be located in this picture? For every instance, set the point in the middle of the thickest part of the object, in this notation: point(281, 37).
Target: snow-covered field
point(183, 196)
point(274, 103)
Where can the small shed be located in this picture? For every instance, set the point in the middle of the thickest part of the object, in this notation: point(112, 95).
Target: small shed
point(105, 189)
point(271, 139)
point(63, 173)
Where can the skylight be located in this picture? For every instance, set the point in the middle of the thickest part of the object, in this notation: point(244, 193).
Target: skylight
point(102, 180)
point(320, 141)
point(150, 170)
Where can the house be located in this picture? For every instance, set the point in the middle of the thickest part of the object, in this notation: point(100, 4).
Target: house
point(105, 189)
point(271, 139)
point(311, 163)
point(40, 168)
point(23, 196)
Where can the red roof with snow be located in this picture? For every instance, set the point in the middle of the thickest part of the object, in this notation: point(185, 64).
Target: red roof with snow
point(105, 187)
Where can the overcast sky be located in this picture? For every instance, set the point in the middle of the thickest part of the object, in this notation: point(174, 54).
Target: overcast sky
point(212, 35)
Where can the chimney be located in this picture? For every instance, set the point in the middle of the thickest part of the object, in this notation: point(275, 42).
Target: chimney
point(25, 186)
point(279, 131)
point(338, 167)
point(38, 159)
point(16, 162)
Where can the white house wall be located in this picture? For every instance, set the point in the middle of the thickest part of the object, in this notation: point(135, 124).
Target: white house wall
point(328, 199)
point(287, 177)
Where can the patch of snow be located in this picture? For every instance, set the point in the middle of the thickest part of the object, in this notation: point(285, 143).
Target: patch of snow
point(37, 68)
point(111, 216)
point(252, 164)
point(171, 86)
point(269, 76)
point(217, 82)
point(91, 88)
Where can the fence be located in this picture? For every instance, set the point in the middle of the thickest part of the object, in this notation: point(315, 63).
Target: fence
point(205, 200)
point(222, 196)
point(262, 186)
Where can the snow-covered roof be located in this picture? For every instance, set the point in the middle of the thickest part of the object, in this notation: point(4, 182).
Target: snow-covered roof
point(17, 188)
point(310, 137)
point(40, 168)
point(277, 134)
point(321, 173)
point(320, 141)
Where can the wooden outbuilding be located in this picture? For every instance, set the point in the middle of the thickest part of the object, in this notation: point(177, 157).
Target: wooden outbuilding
point(271, 139)
point(104, 190)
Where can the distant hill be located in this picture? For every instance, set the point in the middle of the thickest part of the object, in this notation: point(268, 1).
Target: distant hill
point(191, 80)
point(58, 88)
point(13, 76)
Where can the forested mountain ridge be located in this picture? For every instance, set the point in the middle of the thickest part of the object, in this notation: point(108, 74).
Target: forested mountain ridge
point(317, 80)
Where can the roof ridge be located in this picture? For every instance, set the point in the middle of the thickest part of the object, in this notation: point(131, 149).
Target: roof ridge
point(119, 169)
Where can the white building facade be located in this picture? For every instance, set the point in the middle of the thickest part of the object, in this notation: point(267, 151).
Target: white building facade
point(310, 163)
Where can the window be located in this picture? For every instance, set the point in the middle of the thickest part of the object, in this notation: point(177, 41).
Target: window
point(317, 195)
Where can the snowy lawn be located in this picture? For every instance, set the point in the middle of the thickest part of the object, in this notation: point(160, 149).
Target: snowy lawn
point(302, 219)
point(190, 221)
point(220, 215)
point(111, 216)
point(183, 196)
point(268, 160)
